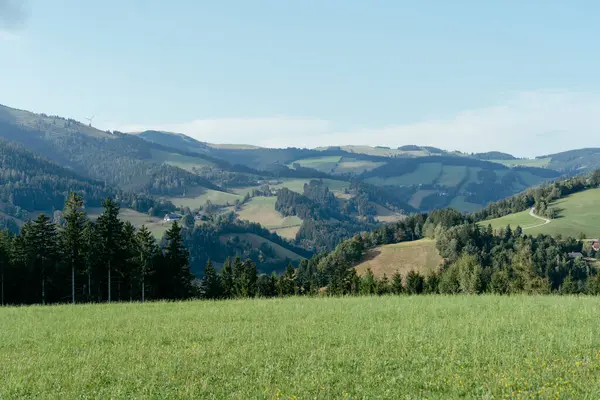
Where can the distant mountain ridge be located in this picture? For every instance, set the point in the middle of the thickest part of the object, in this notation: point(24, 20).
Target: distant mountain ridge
point(352, 187)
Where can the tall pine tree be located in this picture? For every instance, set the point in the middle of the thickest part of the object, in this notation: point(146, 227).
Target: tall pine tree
point(147, 253)
point(110, 230)
point(5, 243)
point(227, 280)
point(211, 284)
point(43, 245)
point(176, 263)
point(71, 238)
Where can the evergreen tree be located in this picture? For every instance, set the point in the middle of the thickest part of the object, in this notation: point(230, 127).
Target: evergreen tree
point(383, 285)
point(129, 267)
point(569, 286)
point(273, 285)
point(5, 247)
point(288, 281)
point(238, 276)
point(396, 286)
point(262, 286)
point(432, 283)
point(147, 253)
point(176, 262)
point(251, 276)
point(414, 283)
point(211, 284)
point(43, 245)
point(368, 284)
point(227, 280)
point(91, 256)
point(353, 282)
point(110, 231)
point(71, 238)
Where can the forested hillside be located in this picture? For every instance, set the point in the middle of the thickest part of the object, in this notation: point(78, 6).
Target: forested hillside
point(315, 198)
point(119, 159)
point(30, 183)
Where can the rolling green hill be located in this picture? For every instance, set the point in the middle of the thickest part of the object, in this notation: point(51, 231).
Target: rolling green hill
point(365, 185)
point(30, 184)
point(578, 213)
point(571, 161)
point(423, 177)
point(119, 159)
point(461, 182)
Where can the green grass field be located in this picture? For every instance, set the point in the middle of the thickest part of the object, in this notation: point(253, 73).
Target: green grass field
point(536, 162)
point(355, 166)
point(178, 160)
point(417, 198)
point(198, 199)
point(452, 175)
point(424, 174)
point(384, 214)
point(579, 215)
point(262, 210)
point(522, 219)
point(324, 164)
point(434, 347)
point(381, 152)
point(297, 185)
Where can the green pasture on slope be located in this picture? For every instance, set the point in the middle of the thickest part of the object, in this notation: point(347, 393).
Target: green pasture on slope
point(525, 162)
point(578, 213)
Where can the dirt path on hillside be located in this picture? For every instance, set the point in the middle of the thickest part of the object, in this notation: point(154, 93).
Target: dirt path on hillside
point(546, 221)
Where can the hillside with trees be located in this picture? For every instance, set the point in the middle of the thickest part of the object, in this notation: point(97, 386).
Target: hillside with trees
point(119, 159)
point(30, 183)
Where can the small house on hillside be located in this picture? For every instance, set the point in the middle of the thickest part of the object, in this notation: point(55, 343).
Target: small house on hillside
point(596, 245)
point(201, 217)
point(172, 217)
point(576, 254)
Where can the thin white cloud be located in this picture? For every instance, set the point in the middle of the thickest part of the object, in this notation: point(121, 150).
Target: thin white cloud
point(8, 36)
point(257, 131)
point(529, 124)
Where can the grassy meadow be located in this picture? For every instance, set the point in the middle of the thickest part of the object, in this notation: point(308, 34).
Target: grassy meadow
point(578, 214)
point(434, 347)
point(262, 210)
point(297, 185)
point(419, 255)
point(525, 162)
point(199, 198)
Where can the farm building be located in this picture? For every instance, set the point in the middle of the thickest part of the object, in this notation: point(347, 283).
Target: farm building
point(596, 245)
point(201, 216)
point(172, 217)
point(575, 254)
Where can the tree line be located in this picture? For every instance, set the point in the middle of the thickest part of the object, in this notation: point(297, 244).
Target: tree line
point(84, 261)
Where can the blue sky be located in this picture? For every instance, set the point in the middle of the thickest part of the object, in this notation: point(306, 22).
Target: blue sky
point(518, 76)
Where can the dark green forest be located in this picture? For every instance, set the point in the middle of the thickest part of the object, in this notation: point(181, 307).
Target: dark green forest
point(30, 183)
point(82, 261)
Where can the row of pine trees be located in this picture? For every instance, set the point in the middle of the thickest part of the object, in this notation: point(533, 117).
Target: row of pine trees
point(79, 260)
point(239, 279)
